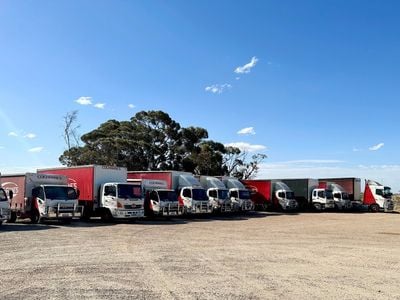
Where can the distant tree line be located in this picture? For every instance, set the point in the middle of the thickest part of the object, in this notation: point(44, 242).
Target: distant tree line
point(151, 140)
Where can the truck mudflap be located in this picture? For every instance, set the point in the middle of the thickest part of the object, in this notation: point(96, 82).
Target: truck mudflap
point(201, 207)
point(171, 210)
point(5, 214)
point(62, 211)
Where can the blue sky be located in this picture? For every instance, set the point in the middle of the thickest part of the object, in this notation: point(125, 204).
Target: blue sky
point(312, 84)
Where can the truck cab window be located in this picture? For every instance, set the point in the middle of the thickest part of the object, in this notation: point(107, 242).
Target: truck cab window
point(110, 191)
point(213, 194)
point(281, 195)
point(234, 194)
point(38, 192)
point(379, 192)
point(321, 194)
point(187, 193)
point(3, 196)
point(154, 196)
point(337, 195)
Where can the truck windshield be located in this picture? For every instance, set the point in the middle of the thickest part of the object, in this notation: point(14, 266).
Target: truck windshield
point(129, 191)
point(345, 196)
point(60, 193)
point(289, 195)
point(222, 194)
point(329, 194)
point(244, 194)
point(167, 196)
point(387, 193)
point(199, 194)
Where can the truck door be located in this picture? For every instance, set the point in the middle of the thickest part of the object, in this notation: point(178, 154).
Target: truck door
point(109, 196)
point(39, 200)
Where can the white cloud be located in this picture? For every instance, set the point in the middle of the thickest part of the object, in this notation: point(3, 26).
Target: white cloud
point(84, 100)
point(131, 106)
point(246, 146)
point(247, 67)
point(36, 149)
point(376, 147)
point(30, 135)
point(12, 133)
point(312, 161)
point(100, 105)
point(218, 88)
point(237, 78)
point(247, 131)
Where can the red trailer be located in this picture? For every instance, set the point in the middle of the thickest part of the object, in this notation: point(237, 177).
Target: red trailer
point(104, 191)
point(267, 193)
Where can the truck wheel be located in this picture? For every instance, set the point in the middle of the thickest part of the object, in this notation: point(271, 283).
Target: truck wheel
point(106, 216)
point(374, 208)
point(317, 206)
point(13, 217)
point(35, 217)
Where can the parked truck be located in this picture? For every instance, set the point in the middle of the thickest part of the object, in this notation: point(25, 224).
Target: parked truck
point(5, 212)
point(350, 185)
point(104, 191)
point(41, 196)
point(238, 194)
point(271, 194)
point(159, 200)
point(377, 197)
point(217, 193)
point(340, 197)
point(310, 194)
point(191, 195)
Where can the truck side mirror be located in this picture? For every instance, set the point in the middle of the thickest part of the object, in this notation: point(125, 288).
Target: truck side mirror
point(78, 193)
point(10, 194)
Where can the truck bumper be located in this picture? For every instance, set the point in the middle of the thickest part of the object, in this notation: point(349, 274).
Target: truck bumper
point(5, 214)
point(61, 212)
point(201, 208)
point(128, 213)
point(171, 210)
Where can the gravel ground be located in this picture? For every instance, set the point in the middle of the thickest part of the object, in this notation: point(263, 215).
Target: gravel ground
point(253, 256)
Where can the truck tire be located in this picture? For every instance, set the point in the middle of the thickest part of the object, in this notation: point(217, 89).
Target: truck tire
point(1, 223)
point(35, 217)
point(13, 217)
point(374, 208)
point(317, 206)
point(106, 215)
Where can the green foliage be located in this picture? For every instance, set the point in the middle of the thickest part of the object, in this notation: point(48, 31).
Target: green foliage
point(151, 140)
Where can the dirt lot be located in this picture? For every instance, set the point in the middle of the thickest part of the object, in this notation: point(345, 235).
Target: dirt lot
point(254, 256)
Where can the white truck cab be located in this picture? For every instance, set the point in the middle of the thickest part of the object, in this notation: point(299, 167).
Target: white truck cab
point(158, 199)
point(322, 199)
point(5, 212)
point(284, 196)
point(217, 193)
point(238, 194)
point(378, 197)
